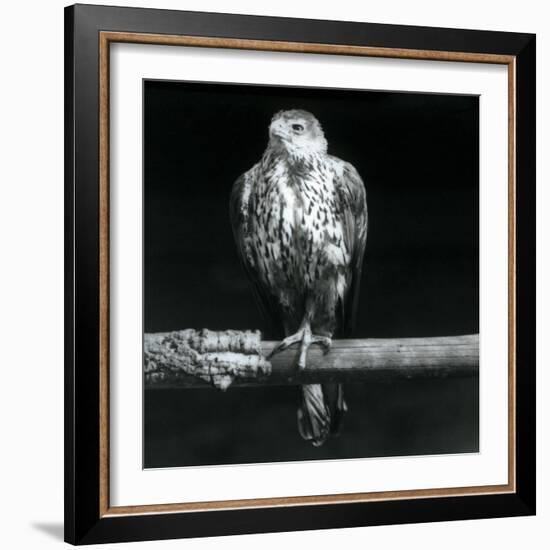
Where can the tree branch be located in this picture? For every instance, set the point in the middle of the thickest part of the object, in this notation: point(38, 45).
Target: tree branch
point(191, 358)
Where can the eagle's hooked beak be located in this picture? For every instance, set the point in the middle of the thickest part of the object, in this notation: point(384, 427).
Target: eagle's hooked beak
point(277, 130)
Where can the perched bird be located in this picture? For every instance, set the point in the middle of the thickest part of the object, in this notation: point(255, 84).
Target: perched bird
point(299, 219)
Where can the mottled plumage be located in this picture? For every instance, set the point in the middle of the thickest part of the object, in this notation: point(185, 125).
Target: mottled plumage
point(299, 219)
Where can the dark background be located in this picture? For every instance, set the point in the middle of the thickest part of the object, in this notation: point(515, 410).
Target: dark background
point(418, 157)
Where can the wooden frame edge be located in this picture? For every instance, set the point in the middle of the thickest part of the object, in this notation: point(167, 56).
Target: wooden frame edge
point(512, 355)
point(104, 270)
point(300, 47)
point(105, 39)
point(312, 500)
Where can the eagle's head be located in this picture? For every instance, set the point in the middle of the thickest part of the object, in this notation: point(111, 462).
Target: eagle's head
point(298, 132)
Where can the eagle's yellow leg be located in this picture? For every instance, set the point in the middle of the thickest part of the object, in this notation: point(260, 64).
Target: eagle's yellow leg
point(305, 338)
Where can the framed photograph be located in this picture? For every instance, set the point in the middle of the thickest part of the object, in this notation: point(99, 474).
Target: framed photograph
point(300, 267)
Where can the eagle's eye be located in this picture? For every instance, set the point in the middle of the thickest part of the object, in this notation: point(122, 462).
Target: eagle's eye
point(297, 127)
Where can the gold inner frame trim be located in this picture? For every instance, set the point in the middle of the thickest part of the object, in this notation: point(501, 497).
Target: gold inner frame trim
point(105, 39)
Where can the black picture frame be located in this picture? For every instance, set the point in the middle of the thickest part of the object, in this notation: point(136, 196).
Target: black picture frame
point(86, 520)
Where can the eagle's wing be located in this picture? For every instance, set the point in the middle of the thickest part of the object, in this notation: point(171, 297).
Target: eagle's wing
point(353, 205)
point(240, 213)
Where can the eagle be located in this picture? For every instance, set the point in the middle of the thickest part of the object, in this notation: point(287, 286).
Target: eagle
point(299, 220)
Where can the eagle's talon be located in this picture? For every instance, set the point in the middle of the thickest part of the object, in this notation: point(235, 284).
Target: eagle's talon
point(324, 341)
point(303, 337)
point(286, 343)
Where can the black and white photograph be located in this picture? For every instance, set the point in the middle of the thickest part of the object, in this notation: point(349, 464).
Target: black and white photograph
point(311, 273)
point(275, 275)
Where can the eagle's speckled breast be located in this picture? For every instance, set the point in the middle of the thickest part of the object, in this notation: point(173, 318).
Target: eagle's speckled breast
point(298, 232)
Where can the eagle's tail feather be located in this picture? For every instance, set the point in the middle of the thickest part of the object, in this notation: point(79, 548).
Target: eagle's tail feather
point(320, 413)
